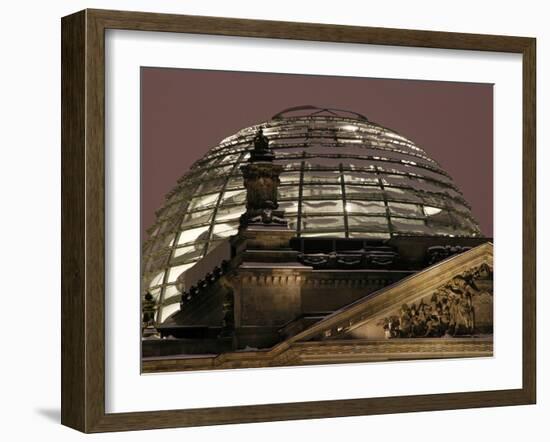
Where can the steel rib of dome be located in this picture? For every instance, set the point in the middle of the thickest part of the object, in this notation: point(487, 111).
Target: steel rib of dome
point(343, 177)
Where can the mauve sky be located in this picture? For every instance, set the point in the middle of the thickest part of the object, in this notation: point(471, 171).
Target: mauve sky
point(185, 112)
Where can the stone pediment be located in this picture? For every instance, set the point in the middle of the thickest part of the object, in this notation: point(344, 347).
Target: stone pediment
point(458, 290)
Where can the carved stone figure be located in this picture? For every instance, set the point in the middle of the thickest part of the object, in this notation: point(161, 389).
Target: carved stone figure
point(261, 151)
point(148, 307)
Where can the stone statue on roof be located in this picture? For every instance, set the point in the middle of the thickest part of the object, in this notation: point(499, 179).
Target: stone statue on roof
point(261, 151)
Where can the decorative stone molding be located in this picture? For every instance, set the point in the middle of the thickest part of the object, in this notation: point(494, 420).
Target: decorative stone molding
point(374, 257)
point(438, 253)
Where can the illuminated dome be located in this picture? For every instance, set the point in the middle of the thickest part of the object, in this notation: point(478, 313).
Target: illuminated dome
point(343, 177)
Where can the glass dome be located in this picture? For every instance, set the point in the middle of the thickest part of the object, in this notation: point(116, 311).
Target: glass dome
point(343, 177)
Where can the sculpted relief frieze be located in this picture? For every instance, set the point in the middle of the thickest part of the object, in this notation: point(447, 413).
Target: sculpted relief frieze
point(461, 306)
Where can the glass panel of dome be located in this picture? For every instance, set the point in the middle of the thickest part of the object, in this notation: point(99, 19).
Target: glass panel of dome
point(290, 207)
point(290, 165)
point(210, 185)
point(448, 192)
point(292, 222)
point(430, 186)
point(203, 201)
point(235, 182)
point(170, 290)
point(163, 227)
point(162, 241)
point(165, 312)
point(404, 195)
point(188, 252)
point(353, 151)
point(277, 144)
point(392, 176)
point(399, 154)
point(368, 223)
point(372, 192)
point(212, 161)
point(293, 131)
point(463, 232)
point(360, 178)
point(457, 207)
point(224, 230)
point(405, 209)
point(313, 163)
point(399, 193)
point(429, 211)
point(157, 280)
point(228, 159)
point(463, 223)
point(432, 199)
point(322, 222)
point(350, 140)
point(365, 207)
point(442, 218)
point(217, 172)
point(313, 149)
point(171, 300)
point(410, 225)
point(289, 150)
point(288, 192)
point(229, 213)
point(196, 218)
point(155, 293)
point(386, 133)
point(233, 197)
point(176, 271)
point(321, 191)
point(147, 264)
point(320, 207)
point(426, 170)
point(360, 163)
point(328, 176)
point(380, 235)
point(324, 234)
point(317, 144)
point(191, 235)
point(347, 127)
point(168, 210)
point(158, 260)
point(290, 177)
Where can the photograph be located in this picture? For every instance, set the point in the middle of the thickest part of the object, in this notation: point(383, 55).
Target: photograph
point(293, 219)
point(275, 221)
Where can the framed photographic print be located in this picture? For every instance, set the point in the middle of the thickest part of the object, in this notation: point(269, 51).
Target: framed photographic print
point(270, 220)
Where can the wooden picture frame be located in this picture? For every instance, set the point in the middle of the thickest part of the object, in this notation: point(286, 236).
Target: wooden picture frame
point(83, 220)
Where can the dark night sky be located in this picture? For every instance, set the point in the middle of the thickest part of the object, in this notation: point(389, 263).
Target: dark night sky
point(186, 112)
